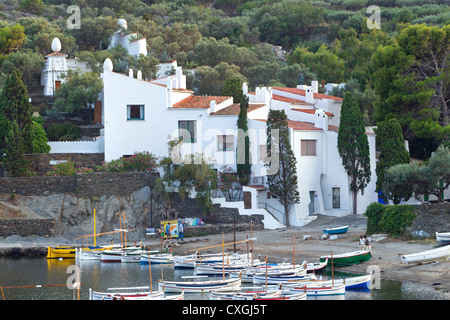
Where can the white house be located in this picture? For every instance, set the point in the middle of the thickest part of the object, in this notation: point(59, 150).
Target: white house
point(144, 115)
point(56, 67)
point(130, 41)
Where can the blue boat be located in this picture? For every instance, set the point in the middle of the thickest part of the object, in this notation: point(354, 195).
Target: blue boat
point(337, 230)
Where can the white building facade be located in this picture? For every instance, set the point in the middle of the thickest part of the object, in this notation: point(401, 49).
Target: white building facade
point(144, 115)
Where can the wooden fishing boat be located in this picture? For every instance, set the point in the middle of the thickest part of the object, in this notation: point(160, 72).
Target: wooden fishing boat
point(358, 282)
point(198, 286)
point(159, 258)
point(92, 253)
point(269, 296)
point(443, 238)
point(128, 292)
point(135, 256)
point(337, 230)
point(219, 268)
point(318, 289)
point(246, 275)
point(316, 266)
point(115, 254)
point(348, 258)
point(274, 278)
point(61, 252)
point(190, 261)
point(441, 253)
point(228, 294)
point(179, 296)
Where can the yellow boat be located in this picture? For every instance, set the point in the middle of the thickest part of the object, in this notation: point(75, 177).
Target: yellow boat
point(66, 252)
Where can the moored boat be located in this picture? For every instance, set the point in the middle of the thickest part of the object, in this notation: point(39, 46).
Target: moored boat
point(61, 252)
point(159, 258)
point(346, 259)
point(316, 266)
point(274, 278)
point(127, 292)
point(337, 230)
point(268, 296)
point(443, 238)
point(179, 296)
point(437, 254)
point(198, 286)
point(219, 268)
point(318, 289)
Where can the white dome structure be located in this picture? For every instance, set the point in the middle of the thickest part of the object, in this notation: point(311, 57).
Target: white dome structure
point(122, 23)
point(56, 45)
point(108, 65)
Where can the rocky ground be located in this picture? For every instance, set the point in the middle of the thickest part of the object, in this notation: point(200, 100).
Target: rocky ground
point(278, 245)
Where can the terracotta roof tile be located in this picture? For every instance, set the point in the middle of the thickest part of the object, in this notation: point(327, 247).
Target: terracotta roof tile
point(302, 92)
point(300, 125)
point(56, 54)
point(198, 102)
point(312, 111)
point(234, 109)
point(286, 99)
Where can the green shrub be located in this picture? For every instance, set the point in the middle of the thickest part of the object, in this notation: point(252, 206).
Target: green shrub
point(63, 169)
point(63, 132)
point(396, 218)
point(374, 213)
point(140, 161)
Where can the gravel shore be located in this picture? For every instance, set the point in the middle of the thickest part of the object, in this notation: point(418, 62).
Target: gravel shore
point(278, 244)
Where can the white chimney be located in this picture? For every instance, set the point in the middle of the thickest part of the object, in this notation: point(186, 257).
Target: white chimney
point(139, 75)
point(181, 78)
point(212, 106)
point(315, 86)
point(309, 95)
point(130, 73)
point(321, 119)
point(244, 88)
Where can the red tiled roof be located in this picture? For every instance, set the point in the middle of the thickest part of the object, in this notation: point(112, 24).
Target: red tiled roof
point(286, 99)
point(300, 125)
point(312, 111)
point(302, 92)
point(234, 109)
point(198, 102)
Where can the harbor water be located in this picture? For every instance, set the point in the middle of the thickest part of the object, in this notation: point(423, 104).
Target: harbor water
point(48, 279)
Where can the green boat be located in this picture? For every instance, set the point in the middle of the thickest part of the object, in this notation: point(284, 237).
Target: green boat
point(346, 259)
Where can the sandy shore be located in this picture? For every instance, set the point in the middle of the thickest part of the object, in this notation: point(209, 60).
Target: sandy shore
point(278, 244)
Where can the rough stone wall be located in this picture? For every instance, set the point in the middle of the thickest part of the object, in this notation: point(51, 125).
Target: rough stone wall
point(40, 162)
point(432, 218)
point(95, 184)
point(27, 227)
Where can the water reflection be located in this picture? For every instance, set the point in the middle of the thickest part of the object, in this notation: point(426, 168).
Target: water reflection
point(100, 276)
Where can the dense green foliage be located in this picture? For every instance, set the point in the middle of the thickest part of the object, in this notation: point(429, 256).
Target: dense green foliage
point(391, 145)
point(392, 220)
point(374, 213)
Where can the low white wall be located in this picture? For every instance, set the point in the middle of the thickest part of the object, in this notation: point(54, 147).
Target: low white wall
point(96, 146)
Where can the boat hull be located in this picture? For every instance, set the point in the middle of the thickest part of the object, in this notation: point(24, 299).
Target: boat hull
point(198, 286)
point(441, 253)
point(141, 295)
point(347, 259)
point(61, 252)
point(443, 238)
point(339, 230)
point(319, 290)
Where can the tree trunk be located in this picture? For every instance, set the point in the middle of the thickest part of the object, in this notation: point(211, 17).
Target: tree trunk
point(286, 214)
point(355, 199)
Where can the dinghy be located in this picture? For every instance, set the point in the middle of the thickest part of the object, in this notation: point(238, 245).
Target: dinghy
point(348, 258)
point(163, 258)
point(318, 289)
point(127, 292)
point(337, 230)
point(274, 278)
point(179, 296)
point(441, 253)
point(268, 296)
point(219, 268)
point(443, 238)
point(198, 286)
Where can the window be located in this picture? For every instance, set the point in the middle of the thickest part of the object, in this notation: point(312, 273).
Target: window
point(187, 131)
point(308, 147)
point(135, 112)
point(225, 143)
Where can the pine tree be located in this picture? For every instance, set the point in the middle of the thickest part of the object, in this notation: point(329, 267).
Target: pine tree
point(353, 146)
point(391, 145)
point(283, 182)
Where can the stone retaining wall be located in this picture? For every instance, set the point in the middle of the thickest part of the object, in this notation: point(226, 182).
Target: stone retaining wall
point(431, 218)
point(88, 185)
point(27, 227)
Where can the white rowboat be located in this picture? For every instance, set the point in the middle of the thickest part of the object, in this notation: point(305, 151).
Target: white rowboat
point(129, 292)
point(198, 286)
point(443, 238)
point(427, 256)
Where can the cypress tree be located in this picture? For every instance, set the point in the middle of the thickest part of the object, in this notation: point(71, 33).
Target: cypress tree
point(391, 145)
point(353, 146)
point(283, 182)
point(14, 106)
point(14, 160)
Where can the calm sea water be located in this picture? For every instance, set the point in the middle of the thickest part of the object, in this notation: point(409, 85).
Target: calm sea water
point(100, 276)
